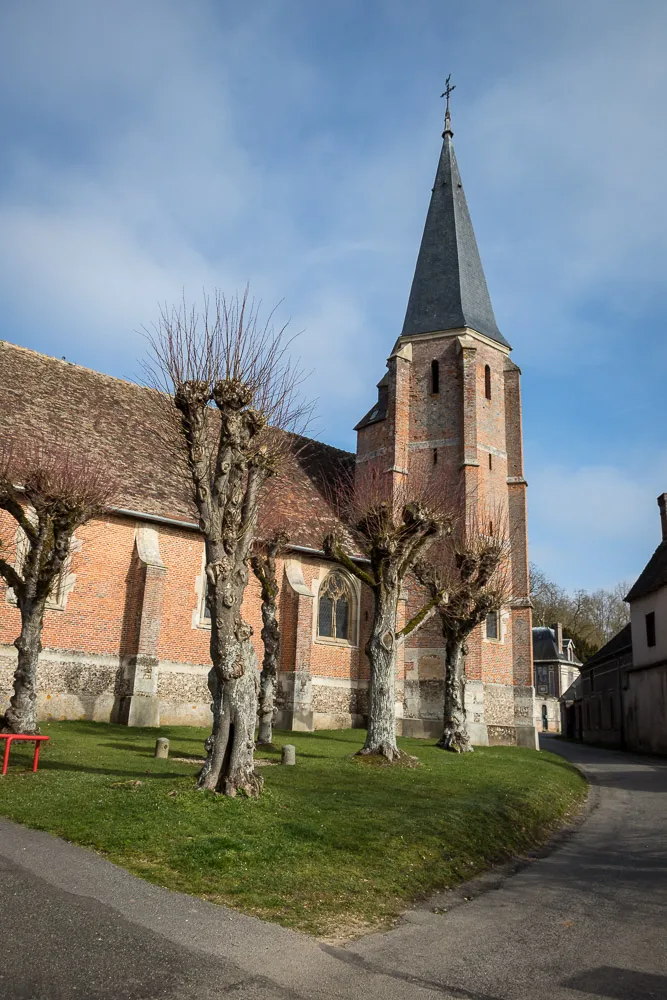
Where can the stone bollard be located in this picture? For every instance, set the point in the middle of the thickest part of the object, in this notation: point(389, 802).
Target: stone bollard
point(289, 754)
point(162, 747)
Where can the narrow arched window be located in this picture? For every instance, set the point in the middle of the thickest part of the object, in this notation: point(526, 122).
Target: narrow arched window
point(334, 613)
point(493, 625)
point(435, 377)
point(487, 381)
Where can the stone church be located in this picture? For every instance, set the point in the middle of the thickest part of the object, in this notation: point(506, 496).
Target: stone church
point(126, 631)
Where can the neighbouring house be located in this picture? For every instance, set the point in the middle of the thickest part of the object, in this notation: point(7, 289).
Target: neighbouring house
point(556, 667)
point(645, 684)
point(126, 635)
point(570, 710)
point(622, 698)
point(599, 702)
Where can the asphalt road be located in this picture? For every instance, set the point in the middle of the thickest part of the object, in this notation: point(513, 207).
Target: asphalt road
point(587, 921)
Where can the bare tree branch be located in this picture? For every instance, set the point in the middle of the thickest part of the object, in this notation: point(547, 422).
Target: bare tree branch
point(390, 524)
point(236, 389)
point(49, 492)
point(12, 578)
point(470, 568)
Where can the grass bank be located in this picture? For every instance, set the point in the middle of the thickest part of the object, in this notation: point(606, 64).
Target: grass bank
point(332, 847)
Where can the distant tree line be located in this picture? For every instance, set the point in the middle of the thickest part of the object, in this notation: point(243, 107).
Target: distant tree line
point(590, 619)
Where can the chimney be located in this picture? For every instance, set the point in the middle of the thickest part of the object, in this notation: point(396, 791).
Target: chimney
point(662, 504)
point(558, 634)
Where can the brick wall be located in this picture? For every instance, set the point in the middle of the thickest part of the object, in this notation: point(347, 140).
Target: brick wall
point(470, 445)
point(111, 616)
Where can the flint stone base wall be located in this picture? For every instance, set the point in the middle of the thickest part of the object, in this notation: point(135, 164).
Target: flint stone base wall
point(139, 691)
point(497, 713)
point(135, 691)
point(307, 703)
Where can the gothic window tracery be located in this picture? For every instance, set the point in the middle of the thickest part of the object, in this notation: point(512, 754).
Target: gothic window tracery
point(335, 608)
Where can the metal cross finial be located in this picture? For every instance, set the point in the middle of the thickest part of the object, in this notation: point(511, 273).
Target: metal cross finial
point(447, 91)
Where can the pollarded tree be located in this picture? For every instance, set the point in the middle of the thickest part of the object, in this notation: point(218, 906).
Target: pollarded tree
point(49, 493)
point(393, 532)
point(263, 564)
point(233, 387)
point(470, 570)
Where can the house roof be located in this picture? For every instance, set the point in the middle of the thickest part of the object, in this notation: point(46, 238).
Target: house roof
point(653, 576)
point(122, 426)
point(545, 647)
point(379, 410)
point(620, 643)
point(449, 289)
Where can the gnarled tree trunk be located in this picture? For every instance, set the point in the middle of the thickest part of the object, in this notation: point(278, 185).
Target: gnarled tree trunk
point(455, 727)
point(234, 685)
point(264, 567)
point(230, 766)
point(21, 716)
point(233, 681)
point(381, 652)
point(269, 675)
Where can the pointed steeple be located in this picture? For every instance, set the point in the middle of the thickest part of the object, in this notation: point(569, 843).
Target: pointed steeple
point(449, 289)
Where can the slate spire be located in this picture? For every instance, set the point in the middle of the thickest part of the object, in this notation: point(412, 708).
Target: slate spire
point(449, 288)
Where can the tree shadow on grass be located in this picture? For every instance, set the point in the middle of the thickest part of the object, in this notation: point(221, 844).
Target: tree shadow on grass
point(142, 750)
point(345, 736)
point(113, 772)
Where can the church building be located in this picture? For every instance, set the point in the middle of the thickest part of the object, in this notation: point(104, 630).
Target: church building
point(126, 632)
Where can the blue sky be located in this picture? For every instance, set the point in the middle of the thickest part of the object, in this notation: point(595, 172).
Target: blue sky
point(156, 145)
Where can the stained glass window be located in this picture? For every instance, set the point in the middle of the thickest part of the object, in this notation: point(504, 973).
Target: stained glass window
point(334, 608)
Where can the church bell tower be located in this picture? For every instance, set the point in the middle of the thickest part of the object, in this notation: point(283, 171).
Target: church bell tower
point(450, 405)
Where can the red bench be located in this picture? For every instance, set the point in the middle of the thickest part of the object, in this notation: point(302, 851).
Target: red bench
point(9, 737)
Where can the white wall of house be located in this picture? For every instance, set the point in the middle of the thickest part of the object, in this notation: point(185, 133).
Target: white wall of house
point(644, 655)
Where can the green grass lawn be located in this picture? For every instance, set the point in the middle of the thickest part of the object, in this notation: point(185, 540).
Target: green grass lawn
point(333, 847)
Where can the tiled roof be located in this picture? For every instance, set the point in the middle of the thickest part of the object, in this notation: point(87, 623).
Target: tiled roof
point(653, 576)
point(449, 289)
point(122, 426)
point(620, 643)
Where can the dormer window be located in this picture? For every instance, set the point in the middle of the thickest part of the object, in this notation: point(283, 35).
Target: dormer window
point(487, 381)
point(435, 377)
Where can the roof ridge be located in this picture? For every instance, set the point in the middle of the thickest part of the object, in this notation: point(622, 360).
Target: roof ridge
point(75, 364)
point(323, 444)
